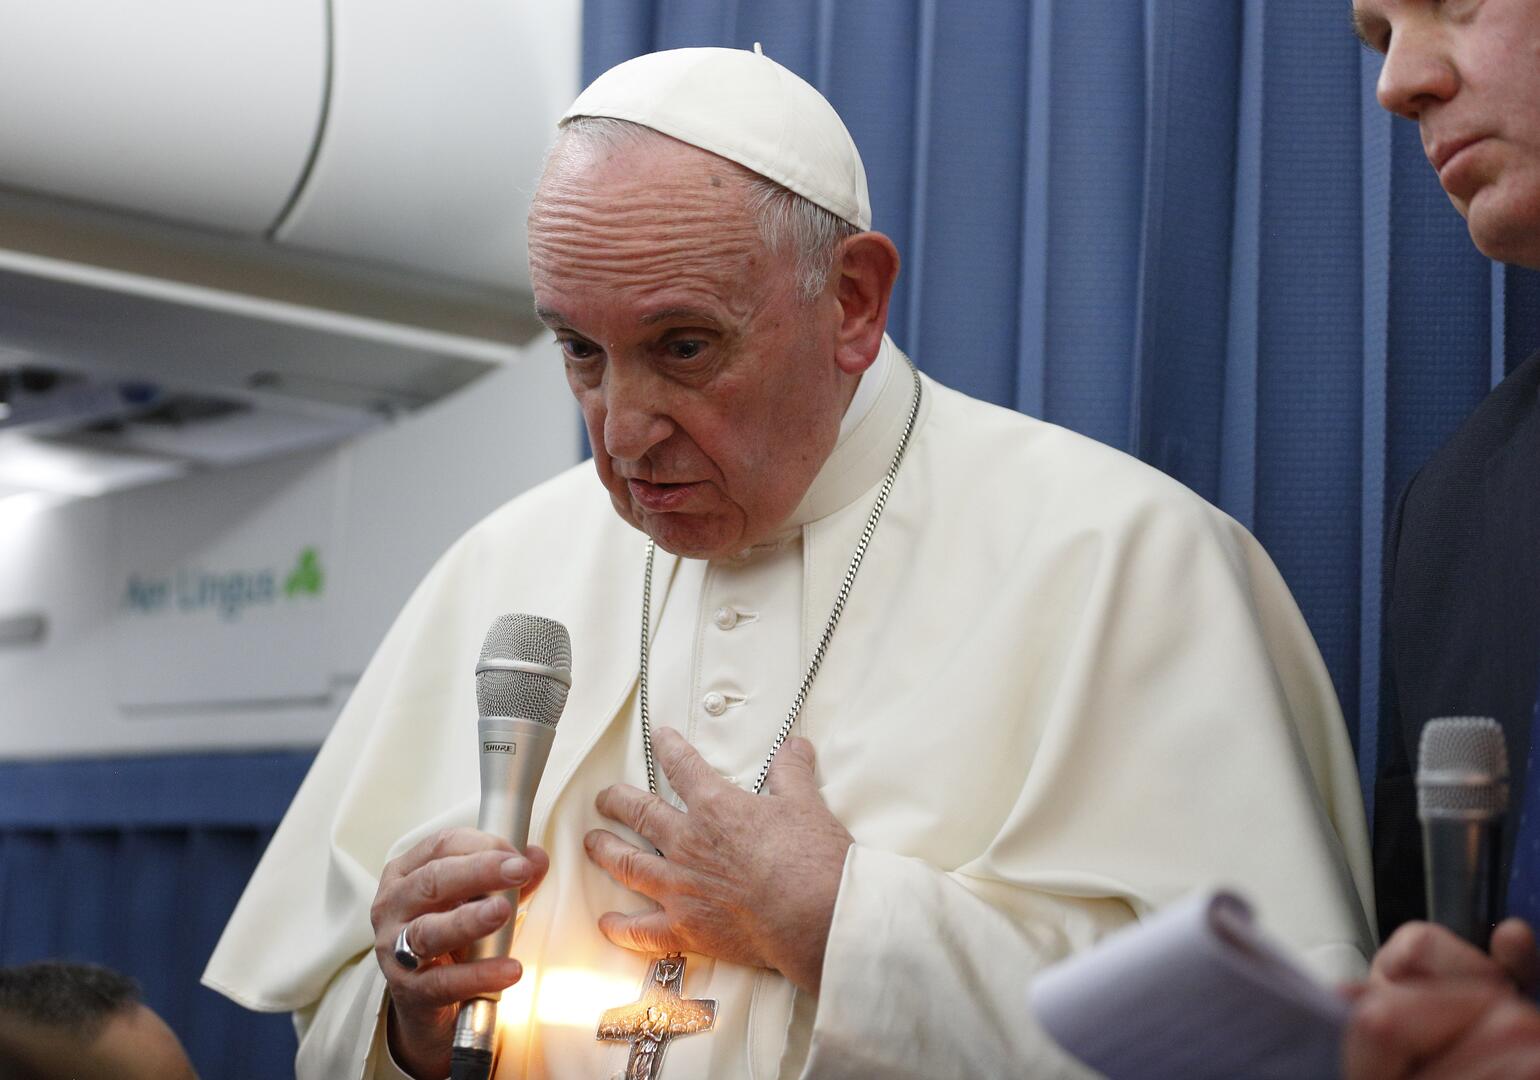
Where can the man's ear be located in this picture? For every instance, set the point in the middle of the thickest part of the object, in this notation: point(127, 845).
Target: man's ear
point(865, 270)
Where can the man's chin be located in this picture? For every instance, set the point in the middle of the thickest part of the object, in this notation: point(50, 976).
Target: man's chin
point(690, 536)
point(687, 547)
point(1504, 228)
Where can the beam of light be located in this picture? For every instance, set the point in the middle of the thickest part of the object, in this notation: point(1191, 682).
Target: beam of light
point(564, 997)
point(573, 997)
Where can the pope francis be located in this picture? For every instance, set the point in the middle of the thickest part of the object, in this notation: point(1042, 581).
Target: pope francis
point(1050, 689)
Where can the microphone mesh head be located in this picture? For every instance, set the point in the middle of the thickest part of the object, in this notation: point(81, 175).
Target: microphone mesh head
point(527, 695)
point(1462, 768)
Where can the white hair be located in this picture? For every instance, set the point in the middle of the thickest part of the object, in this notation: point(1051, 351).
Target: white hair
point(787, 222)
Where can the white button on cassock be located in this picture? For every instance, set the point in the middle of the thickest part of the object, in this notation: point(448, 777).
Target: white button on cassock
point(714, 703)
point(725, 618)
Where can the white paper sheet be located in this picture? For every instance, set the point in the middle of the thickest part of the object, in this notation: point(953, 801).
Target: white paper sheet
point(1193, 993)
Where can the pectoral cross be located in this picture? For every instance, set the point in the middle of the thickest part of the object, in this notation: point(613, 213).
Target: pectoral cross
point(663, 1013)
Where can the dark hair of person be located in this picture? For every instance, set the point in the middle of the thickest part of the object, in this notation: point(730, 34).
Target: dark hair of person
point(81, 997)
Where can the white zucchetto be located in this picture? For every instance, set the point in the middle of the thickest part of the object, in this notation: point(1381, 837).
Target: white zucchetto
point(745, 107)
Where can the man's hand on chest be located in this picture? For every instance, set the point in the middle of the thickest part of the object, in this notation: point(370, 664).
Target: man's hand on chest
point(746, 878)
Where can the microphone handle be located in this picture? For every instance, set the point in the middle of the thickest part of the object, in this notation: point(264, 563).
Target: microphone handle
point(513, 756)
point(1460, 875)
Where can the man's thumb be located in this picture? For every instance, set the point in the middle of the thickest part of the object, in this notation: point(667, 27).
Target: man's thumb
point(793, 768)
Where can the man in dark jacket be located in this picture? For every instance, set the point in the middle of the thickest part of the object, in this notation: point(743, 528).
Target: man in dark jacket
point(1463, 566)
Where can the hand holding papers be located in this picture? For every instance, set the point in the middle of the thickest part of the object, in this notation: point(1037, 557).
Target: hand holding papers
point(1193, 993)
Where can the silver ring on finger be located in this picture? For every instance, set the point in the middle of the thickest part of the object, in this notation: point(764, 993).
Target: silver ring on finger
point(406, 956)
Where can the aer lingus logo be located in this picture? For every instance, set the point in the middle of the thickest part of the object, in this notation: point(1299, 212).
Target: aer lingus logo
point(228, 593)
point(306, 577)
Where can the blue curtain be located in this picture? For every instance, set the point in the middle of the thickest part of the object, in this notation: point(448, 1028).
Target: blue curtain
point(1181, 227)
point(137, 864)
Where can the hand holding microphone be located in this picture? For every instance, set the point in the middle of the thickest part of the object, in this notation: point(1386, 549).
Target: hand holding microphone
point(1437, 1002)
point(445, 893)
point(443, 913)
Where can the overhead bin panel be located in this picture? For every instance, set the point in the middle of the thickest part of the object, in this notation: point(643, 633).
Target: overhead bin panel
point(198, 112)
point(438, 121)
point(211, 341)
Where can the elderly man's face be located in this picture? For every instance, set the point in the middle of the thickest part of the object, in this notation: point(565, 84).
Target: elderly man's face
point(709, 388)
point(1468, 71)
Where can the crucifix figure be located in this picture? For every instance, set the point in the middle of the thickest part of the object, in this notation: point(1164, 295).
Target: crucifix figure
point(662, 1014)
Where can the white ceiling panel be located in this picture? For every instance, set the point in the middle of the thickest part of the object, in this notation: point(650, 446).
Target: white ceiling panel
point(437, 124)
point(196, 111)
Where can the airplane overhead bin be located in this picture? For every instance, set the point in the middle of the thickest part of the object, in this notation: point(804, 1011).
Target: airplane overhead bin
point(231, 230)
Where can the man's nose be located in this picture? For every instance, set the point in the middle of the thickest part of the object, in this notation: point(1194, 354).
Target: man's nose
point(635, 414)
point(1417, 72)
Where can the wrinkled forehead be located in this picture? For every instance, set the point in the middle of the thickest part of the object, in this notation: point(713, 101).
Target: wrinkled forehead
point(627, 236)
point(652, 201)
point(637, 164)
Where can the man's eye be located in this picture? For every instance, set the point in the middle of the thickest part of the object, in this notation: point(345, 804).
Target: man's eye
point(575, 349)
point(686, 350)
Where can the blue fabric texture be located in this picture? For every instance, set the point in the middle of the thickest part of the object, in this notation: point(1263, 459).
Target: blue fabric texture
point(137, 864)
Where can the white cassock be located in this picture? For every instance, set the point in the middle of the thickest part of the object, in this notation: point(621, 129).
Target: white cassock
point(1065, 692)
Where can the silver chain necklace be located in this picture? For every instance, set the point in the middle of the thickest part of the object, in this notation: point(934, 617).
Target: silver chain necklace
point(828, 630)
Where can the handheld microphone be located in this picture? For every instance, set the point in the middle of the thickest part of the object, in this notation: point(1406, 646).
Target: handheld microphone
point(522, 679)
point(1462, 795)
